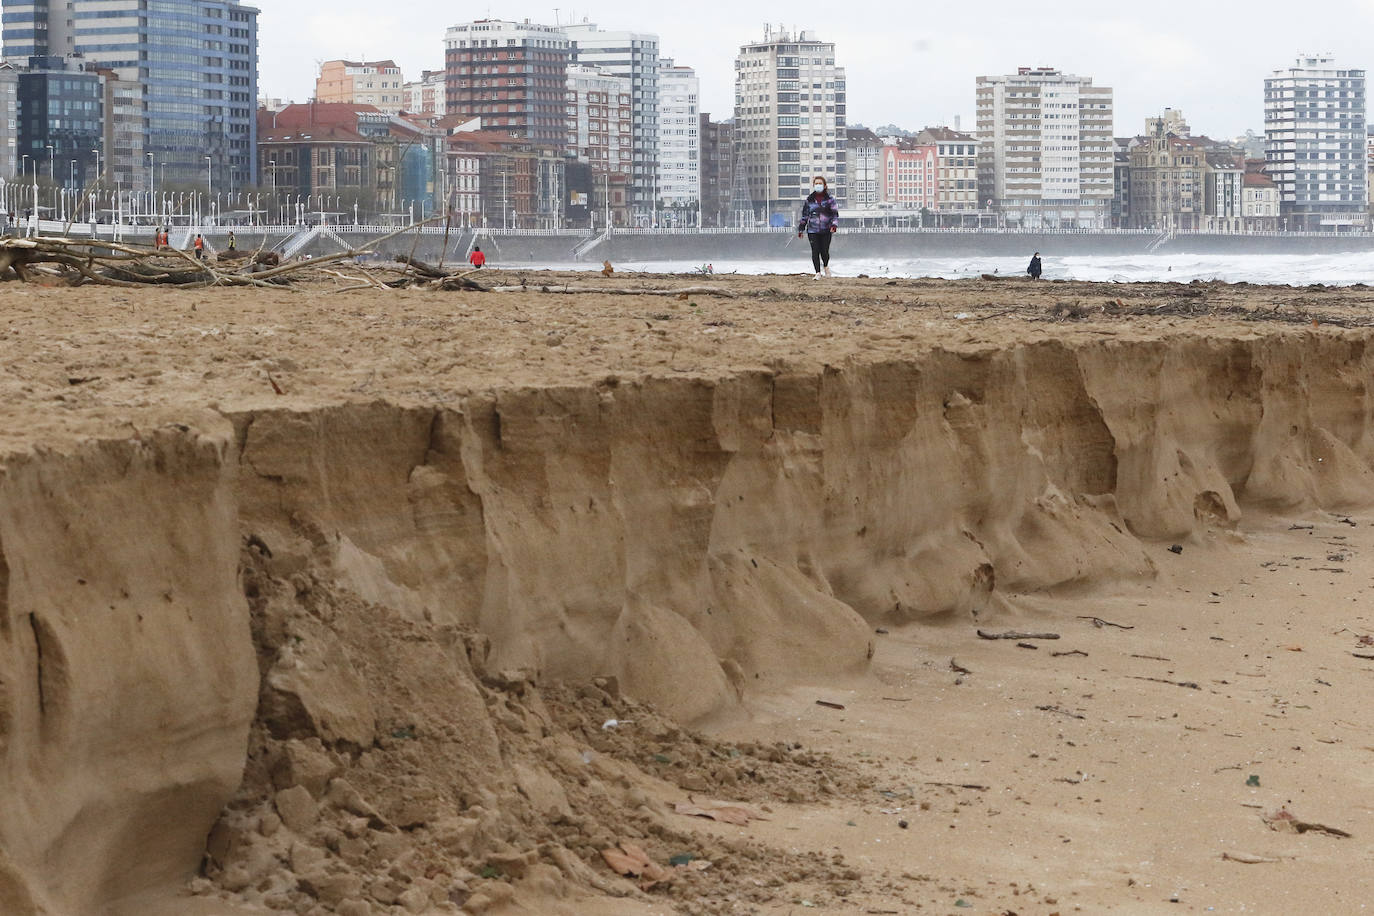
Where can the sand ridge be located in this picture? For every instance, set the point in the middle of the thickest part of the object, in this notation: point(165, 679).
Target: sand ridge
point(471, 525)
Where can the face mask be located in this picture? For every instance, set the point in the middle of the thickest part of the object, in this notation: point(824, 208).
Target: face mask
point(818, 188)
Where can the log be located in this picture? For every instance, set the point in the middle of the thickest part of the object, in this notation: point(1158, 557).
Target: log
point(619, 290)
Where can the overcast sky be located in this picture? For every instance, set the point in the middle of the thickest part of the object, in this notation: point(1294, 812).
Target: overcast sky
point(908, 64)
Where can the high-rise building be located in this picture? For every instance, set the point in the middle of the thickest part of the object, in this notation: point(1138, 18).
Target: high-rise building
point(633, 55)
point(59, 118)
point(679, 139)
point(1045, 149)
point(789, 119)
point(511, 74)
point(361, 82)
point(599, 113)
point(194, 61)
point(9, 126)
point(1314, 134)
point(717, 170)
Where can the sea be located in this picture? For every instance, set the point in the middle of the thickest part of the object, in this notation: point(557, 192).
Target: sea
point(1282, 270)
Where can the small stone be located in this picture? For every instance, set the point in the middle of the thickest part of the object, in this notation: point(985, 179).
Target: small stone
point(305, 857)
point(331, 888)
point(341, 794)
point(903, 824)
point(297, 809)
point(354, 908)
point(414, 900)
point(269, 823)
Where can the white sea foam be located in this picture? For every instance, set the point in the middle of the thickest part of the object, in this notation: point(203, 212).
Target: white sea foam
point(1290, 270)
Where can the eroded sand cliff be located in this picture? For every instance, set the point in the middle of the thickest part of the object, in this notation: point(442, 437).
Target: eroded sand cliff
point(364, 590)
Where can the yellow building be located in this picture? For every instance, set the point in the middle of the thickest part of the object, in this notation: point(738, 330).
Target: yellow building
point(377, 83)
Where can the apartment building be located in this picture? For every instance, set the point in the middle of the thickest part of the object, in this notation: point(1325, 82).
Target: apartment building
point(1260, 202)
point(790, 119)
point(717, 170)
point(426, 96)
point(863, 184)
point(1167, 181)
point(516, 184)
point(679, 141)
point(956, 166)
point(599, 113)
point(9, 122)
point(634, 55)
point(1045, 149)
point(59, 119)
point(908, 174)
point(122, 148)
point(361, 82)
point(511, 74)
point(1315, 139)
point(195, 63)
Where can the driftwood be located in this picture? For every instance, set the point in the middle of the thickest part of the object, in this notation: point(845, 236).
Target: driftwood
point(682, 291)
point(1016, 634)
point(108, 263)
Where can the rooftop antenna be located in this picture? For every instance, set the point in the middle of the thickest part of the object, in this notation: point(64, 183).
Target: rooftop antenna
point(556, 20)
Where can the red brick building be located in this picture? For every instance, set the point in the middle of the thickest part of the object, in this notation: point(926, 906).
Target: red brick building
point(513, 75)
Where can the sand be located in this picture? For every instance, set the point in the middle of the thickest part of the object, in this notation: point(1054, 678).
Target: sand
point(365, 634)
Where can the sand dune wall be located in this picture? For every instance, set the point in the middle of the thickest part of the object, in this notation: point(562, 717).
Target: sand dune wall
point(691, 536)
point(127, 673)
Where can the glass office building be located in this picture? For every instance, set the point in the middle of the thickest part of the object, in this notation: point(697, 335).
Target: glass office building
point(194, 61)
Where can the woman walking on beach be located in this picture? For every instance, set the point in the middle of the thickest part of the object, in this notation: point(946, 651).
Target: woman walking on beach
point(820, 219)
point(1034, 269)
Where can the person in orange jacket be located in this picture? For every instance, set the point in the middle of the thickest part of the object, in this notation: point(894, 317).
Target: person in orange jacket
point(477, 259)
point(200, 248)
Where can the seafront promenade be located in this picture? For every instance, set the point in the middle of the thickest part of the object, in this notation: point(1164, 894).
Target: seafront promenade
point(567, 246)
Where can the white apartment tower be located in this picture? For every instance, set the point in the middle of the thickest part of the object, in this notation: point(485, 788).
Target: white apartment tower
point(633, 55)
point(1045, 149)
point(789, 119)
point(599, 110)
point(1314, 145)
point(679, 140)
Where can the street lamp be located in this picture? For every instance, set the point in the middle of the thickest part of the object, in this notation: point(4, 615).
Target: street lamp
point(150, 185)
point(209, 189)
point(273, 164)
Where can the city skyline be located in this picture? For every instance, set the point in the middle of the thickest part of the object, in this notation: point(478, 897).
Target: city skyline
point(917, 69)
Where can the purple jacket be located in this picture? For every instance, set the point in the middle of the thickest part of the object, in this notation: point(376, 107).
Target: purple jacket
point(818, 214)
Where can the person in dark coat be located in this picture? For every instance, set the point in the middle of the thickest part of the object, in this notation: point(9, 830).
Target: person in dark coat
point(820, 219)
point(1034, 269)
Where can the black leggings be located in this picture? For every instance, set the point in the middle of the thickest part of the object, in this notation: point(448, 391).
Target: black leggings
point(820, 249)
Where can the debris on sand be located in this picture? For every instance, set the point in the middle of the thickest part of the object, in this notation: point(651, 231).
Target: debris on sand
point(1285, 821)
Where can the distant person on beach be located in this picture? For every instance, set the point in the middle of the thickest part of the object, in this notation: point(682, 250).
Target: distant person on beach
point(233, 242)
point(1035, 269)
point(477, 259)
point(199, 245)
point(820, 219)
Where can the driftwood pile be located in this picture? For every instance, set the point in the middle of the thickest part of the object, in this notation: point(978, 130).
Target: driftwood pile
point(79, 262)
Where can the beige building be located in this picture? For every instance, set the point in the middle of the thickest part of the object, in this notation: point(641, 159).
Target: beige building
point(1260, 204)
point(1045, 149)
point(789, 119)
point(375, 83)
point(1167, 183)
point(956, 157)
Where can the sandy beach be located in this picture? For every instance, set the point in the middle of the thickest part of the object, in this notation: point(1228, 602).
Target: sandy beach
point(859, 596)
